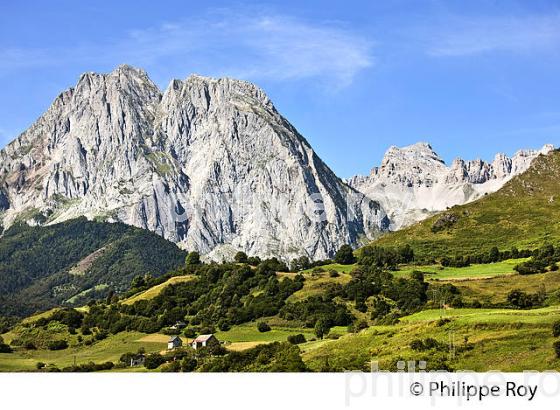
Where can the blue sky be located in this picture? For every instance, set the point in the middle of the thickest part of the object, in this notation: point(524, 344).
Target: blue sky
point(472, 78)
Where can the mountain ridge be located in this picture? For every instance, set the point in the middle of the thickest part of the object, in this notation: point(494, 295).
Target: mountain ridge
point(207, 163)
point(414, 182)
point(524, 213)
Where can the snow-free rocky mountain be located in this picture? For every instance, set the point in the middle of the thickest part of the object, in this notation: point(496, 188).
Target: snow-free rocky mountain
point(209, 164)
point(413, 182)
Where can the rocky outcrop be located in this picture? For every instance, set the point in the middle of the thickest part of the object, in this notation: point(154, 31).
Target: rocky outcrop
point(413, 182)
point(208, 163)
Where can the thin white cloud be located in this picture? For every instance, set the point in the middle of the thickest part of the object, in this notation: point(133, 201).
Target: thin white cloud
point(464, 37)
point(252, 46)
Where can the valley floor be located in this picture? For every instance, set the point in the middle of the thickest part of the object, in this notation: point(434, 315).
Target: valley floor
point(480, 339)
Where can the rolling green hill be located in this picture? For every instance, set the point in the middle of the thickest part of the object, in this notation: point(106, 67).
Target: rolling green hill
point(525, 213)
point(71, 262)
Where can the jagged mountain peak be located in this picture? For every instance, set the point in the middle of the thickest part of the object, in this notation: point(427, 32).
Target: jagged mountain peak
point(221, 90)
point(420, 155)
point(209, 164)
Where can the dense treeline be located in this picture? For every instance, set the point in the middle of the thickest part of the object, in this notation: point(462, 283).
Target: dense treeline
point(543, 259)
point(36, 262)
point(220, 295)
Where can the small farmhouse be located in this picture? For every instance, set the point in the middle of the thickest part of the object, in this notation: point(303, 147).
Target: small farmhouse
point(204, 340)
point(174, 343)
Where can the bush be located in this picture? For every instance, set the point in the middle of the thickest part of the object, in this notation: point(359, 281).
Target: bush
point(172, 367)
point(241, 257)
point(89, 367)
point(296, 339)
point(522, 300)
point(263, 327)
point(4, 348)
point(556, 346)
point(556, 329)
point(417, 345)
point(153, 361)
point(426, 344)
point(188, 364)
point(193, 258)
point(531, 267)
point(224, 325)
point(40, 365)
point(189, 332)
point(102, 334)
point(57, 345)
point(333, 273)
point(345, 255)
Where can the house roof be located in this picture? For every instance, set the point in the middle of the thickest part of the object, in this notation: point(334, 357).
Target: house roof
point(203, 338)
point(173, 338)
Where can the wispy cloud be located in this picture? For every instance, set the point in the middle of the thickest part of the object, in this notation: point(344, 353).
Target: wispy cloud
point(247, 45)
point(464, 37)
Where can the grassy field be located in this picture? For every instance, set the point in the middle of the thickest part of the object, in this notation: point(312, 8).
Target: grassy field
point(109, 349)
point(500, 316)
point(333, 266)
point(477, 340)
point(495, 290)
point(317, 278)
point(469, 272)
point(156, 290)
point(524, 213)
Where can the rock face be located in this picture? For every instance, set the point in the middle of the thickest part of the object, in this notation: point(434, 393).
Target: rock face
point(413, 182)
point(209, 164)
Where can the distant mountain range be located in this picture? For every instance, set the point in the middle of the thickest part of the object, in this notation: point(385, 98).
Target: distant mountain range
point(211, 165)
point(524, 213)
point(413, 182)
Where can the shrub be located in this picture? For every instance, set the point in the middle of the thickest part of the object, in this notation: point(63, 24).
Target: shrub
point(4, 348)
point(556, 329)
point(333, 273)
point(426, 344)
point(153, 361)
point(188, 364)
point(193, 258)
point(224, 325)
point(172, 367)
point(241, 257)
point(417, 345)
point(40, 365)
point(345, 255)
point(57, 345)
point(296, 339)
point(102, 334)
point(263, 327)
point(189, 332)
point(556, 346)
